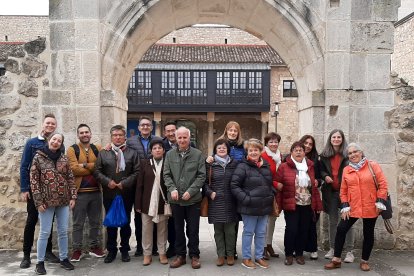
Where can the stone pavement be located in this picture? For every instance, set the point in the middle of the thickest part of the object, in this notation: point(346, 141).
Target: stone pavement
point(386, 263)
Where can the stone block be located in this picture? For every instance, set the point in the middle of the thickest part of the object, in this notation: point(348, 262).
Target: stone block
point(358, 98)
point(91, 70)
point(87, 97)
point(62, 35)
point(28, 115)
point(339, 120)
point(337, 70)
point(28, 88)
point(370, 119)
point(17, 140)
point(12, 66)
point(318, 114)
point(341, 12)
point(34, 67)
point(381, 98)
point(69, 122)
point(337, 97)
point(17, 52)
point(406, 148)
point(86, 34)
point(86, 9)
point(378, 71)
point(66, 69)
point(6, 85)
point(386, 10)
point(60, 10)
point(405, 92)
point(35, 47)
point(91, 116)
point(372, 37)
point(338, 35)
point(384, 149)
point(6, 123)
point(357, 71)
point(9, 104)
point(361, 10)
point(2, 149)
point(56, 97)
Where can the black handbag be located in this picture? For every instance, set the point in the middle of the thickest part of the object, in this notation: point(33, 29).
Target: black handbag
point(385, 214)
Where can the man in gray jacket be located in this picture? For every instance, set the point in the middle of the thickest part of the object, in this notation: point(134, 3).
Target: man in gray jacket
point(116, 170)
point(184, 175)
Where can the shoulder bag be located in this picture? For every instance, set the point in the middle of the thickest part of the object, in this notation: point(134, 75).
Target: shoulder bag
point(204, 201)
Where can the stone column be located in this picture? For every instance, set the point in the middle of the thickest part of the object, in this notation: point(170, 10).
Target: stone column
point(265, 120)
point(210, 139)
point(157, 119)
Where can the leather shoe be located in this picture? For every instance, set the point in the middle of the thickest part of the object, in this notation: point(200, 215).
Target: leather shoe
point(220, 261)
point(230, 260)
point(163, 259)
point(195, 263)
point(300, 260)
point(289, 260)
point(125, 257)
point(178, 261)
point(147, 260)
point(110, 257)
point(332, 265)
point(364, 266)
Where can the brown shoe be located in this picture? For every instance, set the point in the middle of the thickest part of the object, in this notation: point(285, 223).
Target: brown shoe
point(262, 263)
point(220, 261)
point(271, 251)
point(163, 259)
point(195, 263)
point(332, 265)
point(147, 260)
point(364, 266)
point(178, 261)
point(289, 260)
point(230, 260)
point(300, 260)
point(248, 264)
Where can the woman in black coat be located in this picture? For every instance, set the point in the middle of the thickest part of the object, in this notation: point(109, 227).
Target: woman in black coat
point(222, 206)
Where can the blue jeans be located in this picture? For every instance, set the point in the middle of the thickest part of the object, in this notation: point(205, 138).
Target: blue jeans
point(46, 220)
point(253, 226)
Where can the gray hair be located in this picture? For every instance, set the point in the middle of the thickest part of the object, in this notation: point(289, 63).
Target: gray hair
point(354, 145)
point(182, 128)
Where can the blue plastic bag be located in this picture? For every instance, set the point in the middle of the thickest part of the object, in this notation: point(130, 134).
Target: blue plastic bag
point(116, 216)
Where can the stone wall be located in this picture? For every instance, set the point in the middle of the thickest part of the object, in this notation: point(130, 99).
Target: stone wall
point(401, 121)
point(20, 116)
point(403, 57)
point(23, 28)
point(216, 35)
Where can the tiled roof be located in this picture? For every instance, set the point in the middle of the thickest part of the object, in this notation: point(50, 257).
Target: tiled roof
point(6, 47)
point(201, 53)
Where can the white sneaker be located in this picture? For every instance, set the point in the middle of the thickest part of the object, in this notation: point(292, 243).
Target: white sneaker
point(349, 258)
point(330, 254)
point(314, 255)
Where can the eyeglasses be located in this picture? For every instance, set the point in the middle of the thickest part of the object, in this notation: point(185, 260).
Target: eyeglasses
point(145, 125)
point(353, 152)
point(118, 135)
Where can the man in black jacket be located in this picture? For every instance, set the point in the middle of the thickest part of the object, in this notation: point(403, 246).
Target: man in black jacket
point(140, 143)
point(117, 170)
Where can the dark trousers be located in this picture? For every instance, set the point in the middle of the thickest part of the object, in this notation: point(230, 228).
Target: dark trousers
point(125, 231)
point(368, 232)
point(171, 233)
point(312, 244)
point(29, 228)
point(296, 230)
point(189, 215)
point(138, 233)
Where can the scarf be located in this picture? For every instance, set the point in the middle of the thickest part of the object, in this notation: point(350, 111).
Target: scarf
point(155, 192)
point(120, 159)
point(303, 177)
point(258, 163)
point(54, 156)
point(274, 156)
point(222, 161)
point(358, 166)
point(183, 152)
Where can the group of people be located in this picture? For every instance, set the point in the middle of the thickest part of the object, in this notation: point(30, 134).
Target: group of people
point(164, 180)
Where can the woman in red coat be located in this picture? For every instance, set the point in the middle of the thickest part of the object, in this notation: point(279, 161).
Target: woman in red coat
point(299, 199)
point(360, 198)
point(273, 156)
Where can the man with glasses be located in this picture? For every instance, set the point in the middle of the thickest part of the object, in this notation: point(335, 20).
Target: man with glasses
point(140, 143)
point(117, 170)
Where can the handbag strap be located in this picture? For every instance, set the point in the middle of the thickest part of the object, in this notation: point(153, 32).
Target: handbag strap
point(158, 181)
point(373, 174)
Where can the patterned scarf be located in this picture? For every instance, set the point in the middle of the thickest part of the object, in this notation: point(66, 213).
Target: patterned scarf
point(358, 166)
point(120, 160)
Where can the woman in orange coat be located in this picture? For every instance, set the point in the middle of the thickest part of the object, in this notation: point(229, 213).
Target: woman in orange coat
point(360, 199)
